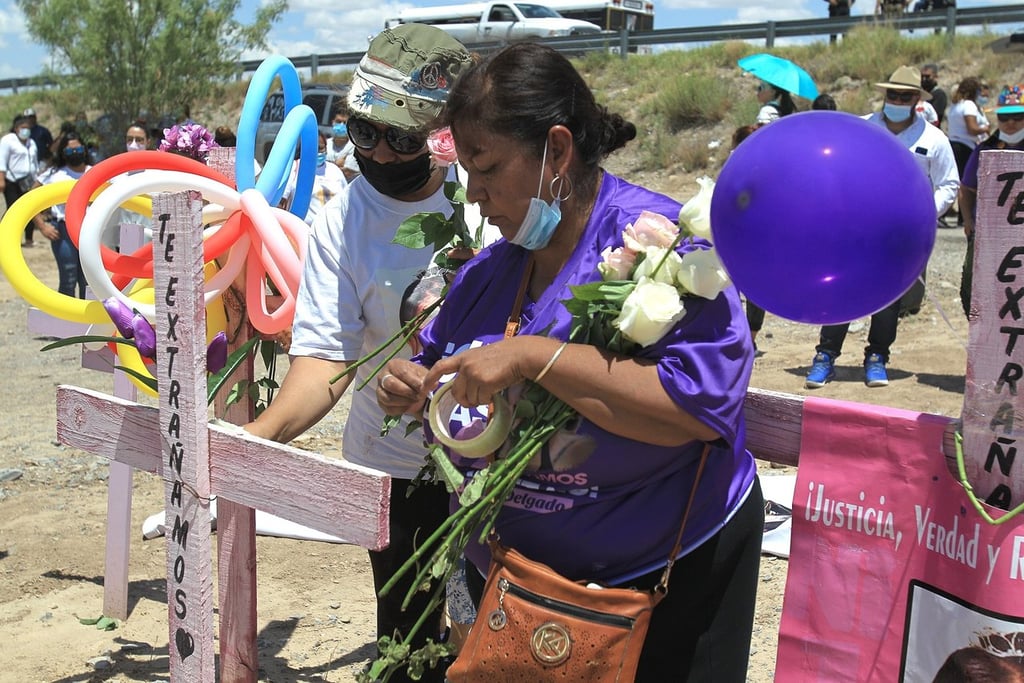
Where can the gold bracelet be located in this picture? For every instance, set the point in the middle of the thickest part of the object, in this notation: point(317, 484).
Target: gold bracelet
point(554, 357)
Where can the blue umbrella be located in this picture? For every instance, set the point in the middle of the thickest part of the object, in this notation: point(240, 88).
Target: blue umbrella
point(781, 73)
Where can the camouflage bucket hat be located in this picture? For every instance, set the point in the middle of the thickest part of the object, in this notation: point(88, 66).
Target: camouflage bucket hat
point(404, 78)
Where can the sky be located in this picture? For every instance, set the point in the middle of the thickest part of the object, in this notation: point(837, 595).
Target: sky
point(318, 27)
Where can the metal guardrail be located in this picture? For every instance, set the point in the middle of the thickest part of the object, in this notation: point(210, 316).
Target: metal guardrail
point(624, 42)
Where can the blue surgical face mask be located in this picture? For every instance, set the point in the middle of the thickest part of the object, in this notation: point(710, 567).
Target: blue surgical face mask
point(897, 113)
point(1012, 138)
point(24, 133)
point(982, 100)
point(541, 218)
point(340, 130)
point(321, 159)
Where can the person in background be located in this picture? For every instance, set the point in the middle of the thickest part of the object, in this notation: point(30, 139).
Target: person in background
point(824, 102)
point(890, 10)
point(1008, 135)
point(136, 138)
point(340, 150)
point(71, 162)
point(838, 8)
point(964, 123)
point(353, 282)
point(328, 182)
point(225, 137)
point(41, 135)
point(775, 103)
point(930, 84)
point(524, 118)
point(932, 152)
point(19, 165)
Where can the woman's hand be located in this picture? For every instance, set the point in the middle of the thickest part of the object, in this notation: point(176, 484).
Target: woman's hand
point(483, 371)
point(399, 387)
point(49, 231)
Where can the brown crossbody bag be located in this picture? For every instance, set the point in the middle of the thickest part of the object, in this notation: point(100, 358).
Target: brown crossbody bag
point(533, 624)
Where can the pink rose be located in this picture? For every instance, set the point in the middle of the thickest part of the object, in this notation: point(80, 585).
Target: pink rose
point(650, 230)
point(616, 264)
point(442, 147)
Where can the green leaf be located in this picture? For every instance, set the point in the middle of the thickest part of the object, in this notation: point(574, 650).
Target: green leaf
point(90, 622)
point(475, 488)
point(106, 624)
point(87, 339)
point(388, 423)
point(450, 474)
point(414, 232)
point(145, 379)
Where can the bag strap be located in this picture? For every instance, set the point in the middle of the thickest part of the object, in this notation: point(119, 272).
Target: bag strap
point(512, 326)
point(662, 586)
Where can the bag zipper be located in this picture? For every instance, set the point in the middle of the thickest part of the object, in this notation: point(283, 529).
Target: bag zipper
point(617, 620)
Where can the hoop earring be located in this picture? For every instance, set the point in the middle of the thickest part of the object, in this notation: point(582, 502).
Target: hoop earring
point(562, 182)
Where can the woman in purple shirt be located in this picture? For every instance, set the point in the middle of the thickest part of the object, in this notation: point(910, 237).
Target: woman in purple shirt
point(612, 508)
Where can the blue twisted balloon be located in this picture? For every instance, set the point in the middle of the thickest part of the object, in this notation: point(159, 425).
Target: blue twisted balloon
point(299, 127)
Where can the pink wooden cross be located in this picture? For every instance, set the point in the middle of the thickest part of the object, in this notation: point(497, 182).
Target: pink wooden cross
point(119, 481)
point(198, 460)
point(993, 413)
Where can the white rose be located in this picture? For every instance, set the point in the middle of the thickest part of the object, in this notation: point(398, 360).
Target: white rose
point(695, 216)
point(651, 309)
point(702, 273)
point(668, 270)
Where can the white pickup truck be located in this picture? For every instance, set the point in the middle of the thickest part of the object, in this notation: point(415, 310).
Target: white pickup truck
point(495, 21)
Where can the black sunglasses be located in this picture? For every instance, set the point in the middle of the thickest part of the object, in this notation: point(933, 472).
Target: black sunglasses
point(904, 96)
point(1003, 118)
point(365, 135)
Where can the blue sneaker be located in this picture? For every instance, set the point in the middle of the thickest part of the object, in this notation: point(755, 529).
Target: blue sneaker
point(823, 371)
point(874, 371)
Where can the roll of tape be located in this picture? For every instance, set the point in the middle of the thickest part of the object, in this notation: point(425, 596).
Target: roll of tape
point(499, 425)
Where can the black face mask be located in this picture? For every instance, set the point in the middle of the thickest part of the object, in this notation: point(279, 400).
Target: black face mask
point(76, 158)
point(398, 179)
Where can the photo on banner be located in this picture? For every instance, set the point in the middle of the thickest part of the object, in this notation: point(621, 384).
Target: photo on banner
point(892, 570)
point(947, 635)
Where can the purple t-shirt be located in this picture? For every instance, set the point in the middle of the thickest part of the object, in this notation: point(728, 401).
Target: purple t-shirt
point(614, 516)
point(970, 178)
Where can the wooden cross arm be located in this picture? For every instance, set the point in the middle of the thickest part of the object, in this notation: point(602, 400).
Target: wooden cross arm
point(331, 496)
point(775, 423)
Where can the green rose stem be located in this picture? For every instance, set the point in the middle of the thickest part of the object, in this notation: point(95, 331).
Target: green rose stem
point(436, 557)
point(405, 333)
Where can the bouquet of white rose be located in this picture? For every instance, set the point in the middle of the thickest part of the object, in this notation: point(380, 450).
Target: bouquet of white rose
point(641, 294)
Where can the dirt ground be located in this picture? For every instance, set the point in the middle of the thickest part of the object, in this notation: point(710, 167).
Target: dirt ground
point(315, 601)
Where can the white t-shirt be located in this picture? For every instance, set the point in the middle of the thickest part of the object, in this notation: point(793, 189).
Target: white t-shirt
point(346, 152)
point(766, 114)
point(926, 111)
point(17, 159)
point(328, 181)
point(55, 175)
point(933, 155)
point(353, 282)
point(956, 126)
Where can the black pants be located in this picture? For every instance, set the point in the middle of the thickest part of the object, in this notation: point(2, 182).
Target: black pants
point(881, 334)
point(700, 632)
point(12, 192)
point(413, 518)
point(840, 9)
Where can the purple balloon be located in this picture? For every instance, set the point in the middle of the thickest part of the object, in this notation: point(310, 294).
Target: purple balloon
point(822, 217)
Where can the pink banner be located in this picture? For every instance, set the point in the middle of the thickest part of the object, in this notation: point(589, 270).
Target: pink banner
point(893, 575)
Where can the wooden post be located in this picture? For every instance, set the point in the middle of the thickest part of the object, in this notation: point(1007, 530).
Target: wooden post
point(993, 403)
point(236, 524)
point(119, 481)
point(181, 378)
